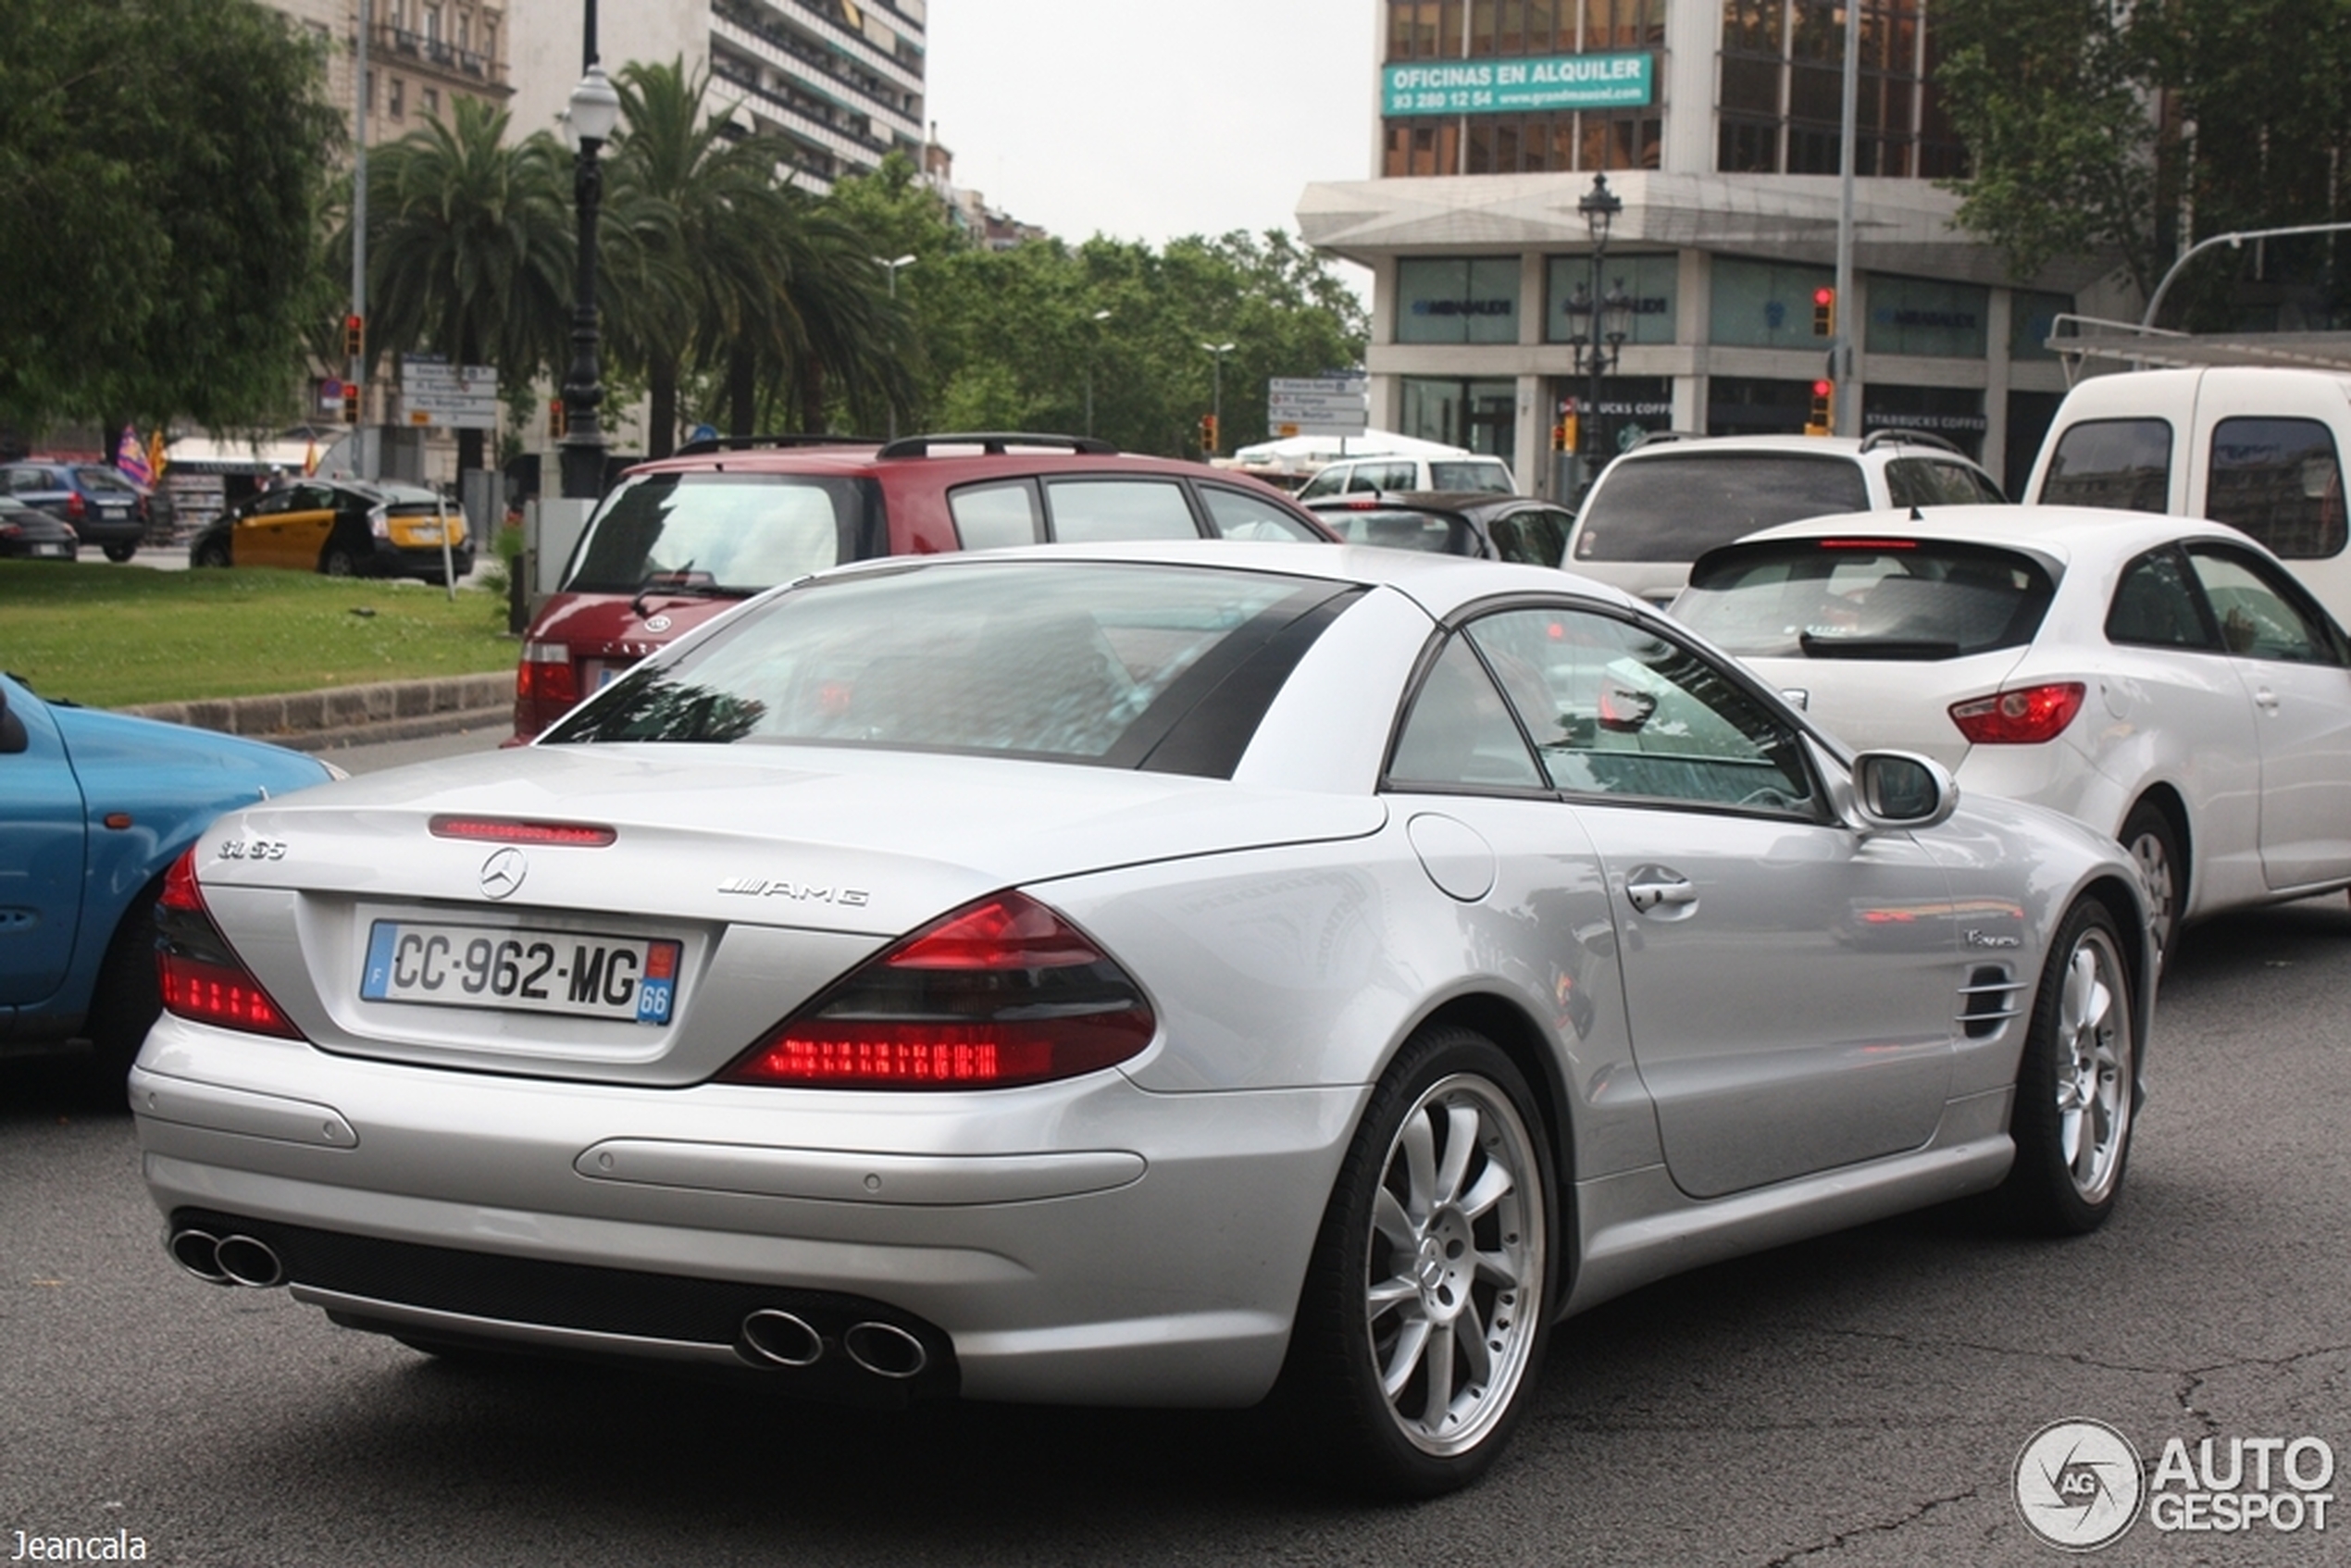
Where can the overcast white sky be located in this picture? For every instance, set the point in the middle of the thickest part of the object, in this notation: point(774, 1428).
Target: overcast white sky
point(1150, 120)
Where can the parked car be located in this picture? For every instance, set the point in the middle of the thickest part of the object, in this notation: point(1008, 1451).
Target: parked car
point(1671, 498)
point(2257, 448)
point(100, 504)
point(93, 807)
point(1350, 476)
point(682, 540)
point(26, 533)
point(2163, 679)
point(1142, 974)
point(343, 528)
point(1497, 528)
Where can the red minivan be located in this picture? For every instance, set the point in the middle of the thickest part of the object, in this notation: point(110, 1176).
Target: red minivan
point(681, 538)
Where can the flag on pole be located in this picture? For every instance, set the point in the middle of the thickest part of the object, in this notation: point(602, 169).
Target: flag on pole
point(158, 456)
point(310, 458)
point(131, 456)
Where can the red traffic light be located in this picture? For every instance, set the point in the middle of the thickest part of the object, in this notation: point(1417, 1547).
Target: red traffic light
point(1824, 295)
point(1822, 389)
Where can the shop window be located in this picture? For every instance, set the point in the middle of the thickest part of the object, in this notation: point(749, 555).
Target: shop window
point(1457, 300)
point(1765, 303)
point(1924, 316)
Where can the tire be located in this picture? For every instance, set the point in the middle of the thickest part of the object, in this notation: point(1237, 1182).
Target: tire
point(338, 562)
point(119, 552)
point(2154, 844)
point(1401, 1265)
point(2077, 1085)
point(211, 552)
point(124, 1004)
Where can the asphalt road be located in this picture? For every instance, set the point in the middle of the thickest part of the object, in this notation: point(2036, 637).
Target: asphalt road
point(1858, 1400)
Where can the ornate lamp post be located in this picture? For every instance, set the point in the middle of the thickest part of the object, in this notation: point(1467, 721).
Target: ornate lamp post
point(1599, 323)
point(595, 112)
point(891, 264)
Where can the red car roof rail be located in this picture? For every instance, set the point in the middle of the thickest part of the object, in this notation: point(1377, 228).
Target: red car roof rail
point(995, 444)
point(745, 443)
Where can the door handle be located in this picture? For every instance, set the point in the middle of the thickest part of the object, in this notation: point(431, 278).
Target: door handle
point(2265, 699)
point(1659, 888)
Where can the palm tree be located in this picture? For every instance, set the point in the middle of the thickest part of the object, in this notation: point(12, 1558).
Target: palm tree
point(754, 284)
point(469, 247)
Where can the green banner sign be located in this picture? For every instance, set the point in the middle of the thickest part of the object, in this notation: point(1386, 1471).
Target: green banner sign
point(1558, 82)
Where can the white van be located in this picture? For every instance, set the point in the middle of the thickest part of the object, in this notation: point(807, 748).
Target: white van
point(1351, 476)
point(2261, 449)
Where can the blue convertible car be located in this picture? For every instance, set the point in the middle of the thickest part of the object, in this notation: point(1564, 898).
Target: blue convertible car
point(93, 807)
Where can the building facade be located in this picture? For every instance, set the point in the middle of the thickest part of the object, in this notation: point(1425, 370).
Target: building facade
point(839, 82)
point(1716, 123)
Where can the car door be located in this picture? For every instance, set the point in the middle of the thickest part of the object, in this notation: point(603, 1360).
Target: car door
point(308, 521)
point(44, 825)
point(261, 534)
point(1791, 984)
point(2295, 664)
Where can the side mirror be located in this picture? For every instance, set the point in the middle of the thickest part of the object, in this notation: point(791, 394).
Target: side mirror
point(1898, 791)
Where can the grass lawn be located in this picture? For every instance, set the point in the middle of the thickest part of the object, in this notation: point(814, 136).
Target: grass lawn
point(108, 636)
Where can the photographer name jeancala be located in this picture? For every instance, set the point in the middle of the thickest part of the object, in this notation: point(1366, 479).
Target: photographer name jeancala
point(120, 1546)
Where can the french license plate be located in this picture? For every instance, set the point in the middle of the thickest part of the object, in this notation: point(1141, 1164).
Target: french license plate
point(59, 550)
point(633, 979)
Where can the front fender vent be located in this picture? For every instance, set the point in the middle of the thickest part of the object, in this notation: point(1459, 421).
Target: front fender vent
point(1988, 1001)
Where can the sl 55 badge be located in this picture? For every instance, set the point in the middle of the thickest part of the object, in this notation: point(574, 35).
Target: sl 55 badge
point(253, 849)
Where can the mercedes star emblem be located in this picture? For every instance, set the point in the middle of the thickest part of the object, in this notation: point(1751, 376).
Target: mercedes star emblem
point(503, 873)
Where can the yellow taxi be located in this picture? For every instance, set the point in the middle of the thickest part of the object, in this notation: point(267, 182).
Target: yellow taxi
point(341, 528)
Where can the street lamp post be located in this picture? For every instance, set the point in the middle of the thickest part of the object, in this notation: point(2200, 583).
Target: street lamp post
point(891, 264)
point(594, 113)
point(1216, 398)
point(1600, 323)
point(1098, 318)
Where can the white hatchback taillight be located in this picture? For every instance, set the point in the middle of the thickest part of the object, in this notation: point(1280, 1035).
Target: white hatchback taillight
point(1001, 992)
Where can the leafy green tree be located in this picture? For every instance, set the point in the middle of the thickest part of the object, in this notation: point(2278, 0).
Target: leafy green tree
point(164, 165)
point(469, 248)
point(752, 289)
point(2130, 131)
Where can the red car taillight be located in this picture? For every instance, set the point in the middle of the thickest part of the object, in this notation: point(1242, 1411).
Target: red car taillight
point(1000, 992)
point(2022, 717)
point(76, 508)
point(201, 977)
point(545, 675)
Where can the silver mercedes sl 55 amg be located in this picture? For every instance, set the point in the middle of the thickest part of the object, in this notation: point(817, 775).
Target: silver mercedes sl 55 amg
point(1143, 975)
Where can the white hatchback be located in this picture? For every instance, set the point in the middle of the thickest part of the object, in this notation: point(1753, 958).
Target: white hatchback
point(2164, 680)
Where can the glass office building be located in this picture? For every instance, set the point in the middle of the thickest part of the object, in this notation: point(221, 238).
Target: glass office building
point(1717, 125)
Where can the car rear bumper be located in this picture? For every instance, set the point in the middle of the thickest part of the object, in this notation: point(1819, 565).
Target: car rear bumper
point(392, 560)
point(1084, 1242)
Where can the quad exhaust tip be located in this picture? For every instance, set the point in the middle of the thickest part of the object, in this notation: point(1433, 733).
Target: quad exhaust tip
point(780, 1339)
point(227, 1259)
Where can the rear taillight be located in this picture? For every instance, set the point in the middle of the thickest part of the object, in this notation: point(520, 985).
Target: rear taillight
point(2025, 717)
point(76, 508)
point(545, 675)
point(202, 977)
point(1000, 992)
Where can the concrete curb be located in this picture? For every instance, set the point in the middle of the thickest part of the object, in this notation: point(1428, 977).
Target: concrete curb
point(342, 715)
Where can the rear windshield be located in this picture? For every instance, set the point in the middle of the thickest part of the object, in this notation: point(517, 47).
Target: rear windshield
point(1488, 476)
point(1401, 528)
point(1081, 662)
point(2120, 464)
point(1859, 599)
point(1678, 508)
point(104, 479)
point(724, 533)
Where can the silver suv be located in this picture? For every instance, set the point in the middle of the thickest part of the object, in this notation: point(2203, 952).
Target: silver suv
point(1671, 498)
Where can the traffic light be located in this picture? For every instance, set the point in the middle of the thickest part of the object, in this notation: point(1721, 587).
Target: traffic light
point(1823, 419)
point(354, 336)
point(351, 403)
point(1824, 313)
point(555, 425)
point(1571, 431)
point(1208, 434)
